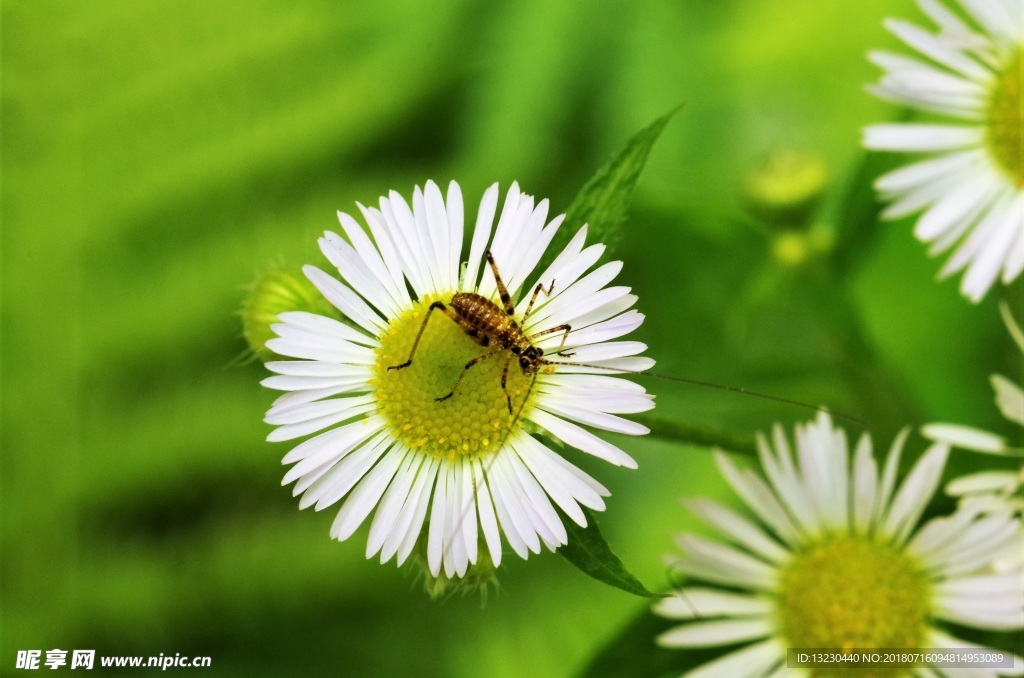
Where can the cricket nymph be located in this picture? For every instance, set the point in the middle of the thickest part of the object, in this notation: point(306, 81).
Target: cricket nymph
point(486, 323)
point(494, 326)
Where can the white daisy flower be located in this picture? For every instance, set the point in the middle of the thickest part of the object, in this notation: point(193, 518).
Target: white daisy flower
point(836, 559)
point(971, 185)
point(437, 454)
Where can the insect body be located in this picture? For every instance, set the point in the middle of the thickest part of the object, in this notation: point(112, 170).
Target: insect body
point(495, 327)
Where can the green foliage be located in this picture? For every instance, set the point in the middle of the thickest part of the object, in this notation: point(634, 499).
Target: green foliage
point(156, 156)
point(588, 551)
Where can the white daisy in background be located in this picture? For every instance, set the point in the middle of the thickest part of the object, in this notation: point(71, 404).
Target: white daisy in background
point(837, 559)
point(971, 187)
point(454, 469)
point(991, 490)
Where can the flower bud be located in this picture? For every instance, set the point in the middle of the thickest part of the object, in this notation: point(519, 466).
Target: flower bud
point(280, 289)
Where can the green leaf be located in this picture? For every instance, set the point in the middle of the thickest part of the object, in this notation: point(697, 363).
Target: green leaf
point(588, 551)
point(602, 202)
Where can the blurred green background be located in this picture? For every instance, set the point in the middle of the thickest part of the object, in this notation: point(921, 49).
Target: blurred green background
point(158, 156)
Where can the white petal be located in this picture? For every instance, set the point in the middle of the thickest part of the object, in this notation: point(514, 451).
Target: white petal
point(514, 523)
point(926, 172)
point(327, 326)
point(635, 365)
point(549, 481)
point(436, 536)
point(988, 262)
point(439, 232)
point(996, 19)
point(344, 475)
point(367, 495)
point(570, 303)
point(385, 520)
point(964, 436)
point(345, 300)
point(604, 331)
point(571, 262)
point(753, 661)
point(715, 633)
point(297, 430)
point(388, 252)
point(939, 639)
point(956, 212)
point(307, 411)
point(934, 49)
point(987, 226)
point(427, 247)
point(738, 529)
point(332, 447)
point(702, 603)
point(916, 492)
point(481, 236)
point(468, 511)
point(917, 137)
point(865, 485)
point(454, 555)
point(597, 419)
point(1014, 263)
point(727, 561)
point(758, 497)
point(581, 439)
point(320, 386)
point(410, 521)
point(535, 496)
point(888, 483)
point(596, 308)
point(488, 521)
point(354, 271)
point(1004, 482)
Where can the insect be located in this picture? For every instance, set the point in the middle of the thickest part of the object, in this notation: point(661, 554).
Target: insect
point(496, 327)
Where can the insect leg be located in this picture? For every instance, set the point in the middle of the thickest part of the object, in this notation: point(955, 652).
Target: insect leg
point(465, 369)
point(504, 380)
point(537, 290)
point(561, 328)
point(506, 299)
point(437, 305)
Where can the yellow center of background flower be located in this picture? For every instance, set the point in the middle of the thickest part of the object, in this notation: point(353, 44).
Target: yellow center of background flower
point(1006, 119)
point(853, 592)
point(476, 419)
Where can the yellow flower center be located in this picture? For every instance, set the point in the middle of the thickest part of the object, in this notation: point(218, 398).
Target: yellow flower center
point(475, 420)
point(853, 592)
point(1006, 118)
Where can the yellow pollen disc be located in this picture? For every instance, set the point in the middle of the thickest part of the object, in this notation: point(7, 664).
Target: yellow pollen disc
point(475, 417)
point(853, 592)
point(1006, 119)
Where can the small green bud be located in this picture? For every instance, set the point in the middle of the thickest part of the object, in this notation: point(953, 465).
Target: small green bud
point(785, 190)
point(280, 289)
point(795, 248)
point(480, 578)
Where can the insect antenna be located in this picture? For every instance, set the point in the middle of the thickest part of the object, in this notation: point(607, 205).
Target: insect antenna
point(709, 384)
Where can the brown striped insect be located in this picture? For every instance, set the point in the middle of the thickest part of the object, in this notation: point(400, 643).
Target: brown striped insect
point(496, 327)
